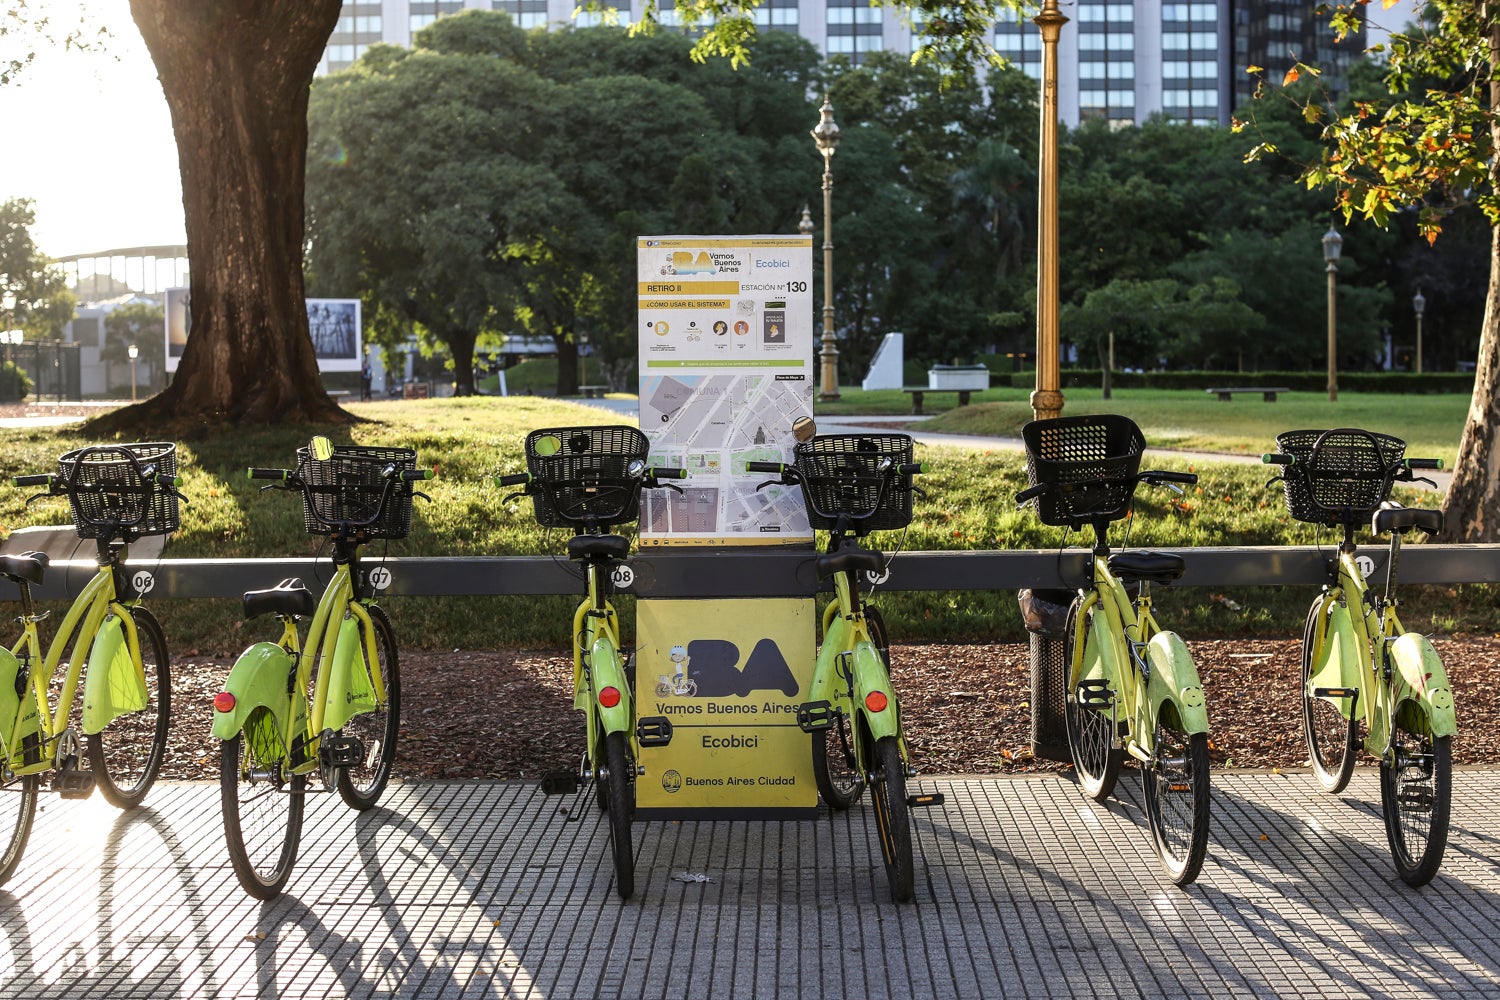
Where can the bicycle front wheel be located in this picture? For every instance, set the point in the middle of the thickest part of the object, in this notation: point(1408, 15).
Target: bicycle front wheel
point(1091, 732)
point(1416, 793)
point(127, 754)
point(362, 785)
point(1332, 740)
point(262, 808)
point(17, 810)
point(1176, 794)
point(835, 771)
point(888, 791)
point(619, 782)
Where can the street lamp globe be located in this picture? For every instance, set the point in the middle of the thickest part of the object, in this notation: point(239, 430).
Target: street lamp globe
point(1333, 245)
point(805, 227)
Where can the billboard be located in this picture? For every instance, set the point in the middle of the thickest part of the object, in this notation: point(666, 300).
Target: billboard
point(333, 325)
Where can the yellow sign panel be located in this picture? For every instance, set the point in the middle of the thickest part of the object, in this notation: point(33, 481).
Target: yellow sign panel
point(695, 287)
point(729, 675)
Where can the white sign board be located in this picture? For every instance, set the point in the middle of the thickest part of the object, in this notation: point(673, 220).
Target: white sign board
point(333, 324)
point(726, 366)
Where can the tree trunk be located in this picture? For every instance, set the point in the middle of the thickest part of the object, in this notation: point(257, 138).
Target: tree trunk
point(567, 365)
point(461, 344)
point(236, 74)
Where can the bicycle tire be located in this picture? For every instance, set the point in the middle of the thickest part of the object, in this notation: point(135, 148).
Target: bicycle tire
point(262, 815)
point(1417, 806)
point(1091, 735)
point(126, 755)
point(361, 787)
point(18, 810)
point(892, 818)
point(1175, 789)
point(620, 783)
point(835, 771)
point(1332, 741)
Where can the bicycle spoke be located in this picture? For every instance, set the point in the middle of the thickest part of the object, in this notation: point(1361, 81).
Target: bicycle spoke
point(262, 807)
point(1416, 794)
point(1176, 787)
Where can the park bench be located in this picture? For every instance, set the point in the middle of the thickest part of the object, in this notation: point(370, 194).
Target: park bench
point(1269, 392)
point(593, 391)
point(917, 392)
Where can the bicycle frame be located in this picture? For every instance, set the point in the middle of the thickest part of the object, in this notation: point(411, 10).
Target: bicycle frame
point(849, 670)
point(114, 685)
point(275, 675)
point(1152, 672)
point(597, 665)
point(1356, 636)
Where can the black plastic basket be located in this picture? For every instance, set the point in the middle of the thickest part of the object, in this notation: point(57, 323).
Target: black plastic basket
point(108, 495)
point(582, 474)
point(847, 474)
point(1092, 460)
point(1340, 476)
point(348, 486)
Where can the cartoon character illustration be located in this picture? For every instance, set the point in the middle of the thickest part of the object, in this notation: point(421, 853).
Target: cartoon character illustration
point(677, 682)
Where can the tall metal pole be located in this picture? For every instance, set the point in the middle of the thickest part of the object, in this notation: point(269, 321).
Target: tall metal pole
point(1332, 246)
point(1419, 306)
point(1047, 399)
point(826, 135)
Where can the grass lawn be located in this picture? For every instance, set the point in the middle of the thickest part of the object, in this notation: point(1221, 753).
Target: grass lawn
point(468, 440)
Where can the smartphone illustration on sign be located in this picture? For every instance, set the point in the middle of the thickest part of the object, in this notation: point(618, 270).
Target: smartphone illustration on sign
point(773, 323)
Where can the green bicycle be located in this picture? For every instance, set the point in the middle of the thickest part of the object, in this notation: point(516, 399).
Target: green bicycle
point(1132, 687)
point(853, 484)
point(1358, 661)
point(117, 493)
point(283, 716)
point(590, 479)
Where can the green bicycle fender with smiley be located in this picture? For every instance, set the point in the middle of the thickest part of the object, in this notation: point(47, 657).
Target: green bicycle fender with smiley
point(258, 679)
point(607, 669)
point(1173, 688)
point(1423, 699)
point(871, 677)
point(14, 729)
point(1340, 661)
point(827, 684)
point(113, 685)
point(350, 692)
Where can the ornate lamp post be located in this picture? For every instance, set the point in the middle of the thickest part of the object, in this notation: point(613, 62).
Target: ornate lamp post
point(1333, 244)
point(134, 352)
point(583, 346)
point(1047, 399)
point(805, 227)
point(1419, 306)
point(826, 135)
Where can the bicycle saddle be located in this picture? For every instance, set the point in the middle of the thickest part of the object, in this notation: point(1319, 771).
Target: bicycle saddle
point(1406, 518)
point(1150, 567)
point(27, 566)
point(289, 597)
point(598, 547)
point(850, 558)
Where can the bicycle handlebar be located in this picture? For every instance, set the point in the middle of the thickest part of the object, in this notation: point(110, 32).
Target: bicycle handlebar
point(1277, 458)
point(513, 479)
point(775, 467)
point(281, 474)
point(1031, 493)
point(665, 472)
point(1424, 463)
point(1158, 478)
point(38, 479)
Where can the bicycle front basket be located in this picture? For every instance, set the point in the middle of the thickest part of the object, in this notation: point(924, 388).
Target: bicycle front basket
point(1340, 476)
point(107, 492)
point(1092, 460)
point(847, 474)
point(582, 474)
point(347, 487)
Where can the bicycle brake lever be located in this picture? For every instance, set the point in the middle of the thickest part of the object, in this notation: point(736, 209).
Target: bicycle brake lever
point(1423, 479)
point(424, 496)
point(1274, 480)
point(514, 496)
point(668, 486)
point(769, 482)
point(917, 491)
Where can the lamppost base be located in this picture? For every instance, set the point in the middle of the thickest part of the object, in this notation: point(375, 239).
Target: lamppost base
point(829, 397)
point(1046, 404)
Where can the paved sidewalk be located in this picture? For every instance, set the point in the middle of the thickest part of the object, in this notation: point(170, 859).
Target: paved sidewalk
point(1024, 888)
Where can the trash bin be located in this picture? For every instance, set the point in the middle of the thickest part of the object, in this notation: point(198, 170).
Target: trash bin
point(1046, 615)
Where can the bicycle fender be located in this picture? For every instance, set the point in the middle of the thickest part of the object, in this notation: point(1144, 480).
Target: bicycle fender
point(1174, 681)
point(258, 679)
point(871, 677)
point(1339, 662)
point(1101, 654)
point(113, 685)
point(350, 692)
point(608, 670)
point(12, 729)
point(1420, 681)
point(826, 684)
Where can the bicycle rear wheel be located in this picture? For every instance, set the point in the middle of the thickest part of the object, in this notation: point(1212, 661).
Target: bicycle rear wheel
point(17, 810)
point(620, 790)
point(835, 770)
point(888, 792)
point(1332, 740)
point(1176, 794)
point(1416, 793)
point(262, 807)
point(361, 786)
point(127, 754)
point(1091, 732)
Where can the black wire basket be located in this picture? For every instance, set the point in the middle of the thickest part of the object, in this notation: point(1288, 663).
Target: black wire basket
point(1092, 461)
point(848, 474)
point(1340, 476)
point(347, 488)
point(582, 475)
point(109, 497)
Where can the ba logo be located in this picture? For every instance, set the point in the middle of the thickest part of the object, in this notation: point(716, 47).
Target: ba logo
point(671, 782)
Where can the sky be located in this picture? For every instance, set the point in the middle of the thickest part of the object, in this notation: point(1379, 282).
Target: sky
point(89, 140)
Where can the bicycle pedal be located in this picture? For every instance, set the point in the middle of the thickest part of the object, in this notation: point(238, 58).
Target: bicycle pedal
point(654, 731)
point(73, 782)
point(1351, 693)
point(813, 716)
point(560, 782)
point(1095, 693)
point(341, 751)
point(924, 799)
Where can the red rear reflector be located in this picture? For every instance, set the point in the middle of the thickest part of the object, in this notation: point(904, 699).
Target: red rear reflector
point(875, 701)
point(609, 697)
point(223, 702)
